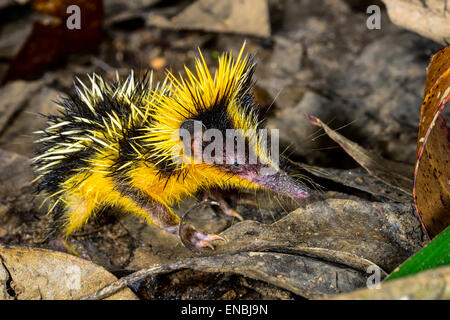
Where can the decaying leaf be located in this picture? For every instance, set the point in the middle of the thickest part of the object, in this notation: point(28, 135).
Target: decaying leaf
point(383, 233)
point(395, 174)
point(357, 178)
point(435, 254)
point(305, 276)
point(432, 171)
point(428, 285)
point(30, 273)
point(332, 240)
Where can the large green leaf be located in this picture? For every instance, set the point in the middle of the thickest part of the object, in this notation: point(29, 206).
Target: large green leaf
point(434, 254)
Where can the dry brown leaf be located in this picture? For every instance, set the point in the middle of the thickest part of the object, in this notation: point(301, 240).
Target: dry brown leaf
point(31, 273)
point(303, 275)
point(388, 233)
point(395, 174)
point(357, 178)
point(326, 238)
point(432, 172)
point(428, 285)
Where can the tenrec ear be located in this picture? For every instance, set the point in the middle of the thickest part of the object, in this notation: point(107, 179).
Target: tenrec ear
point(193, 127)
point(191, 133)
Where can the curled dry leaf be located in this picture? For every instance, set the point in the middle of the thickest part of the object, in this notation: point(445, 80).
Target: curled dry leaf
point(435, 254)
point(357, 178)
point(323, 248)
point(428, 285)
point(30, 273)
point(395, 174)
point(384, 234)
point(305, 276)
point(432, 172)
